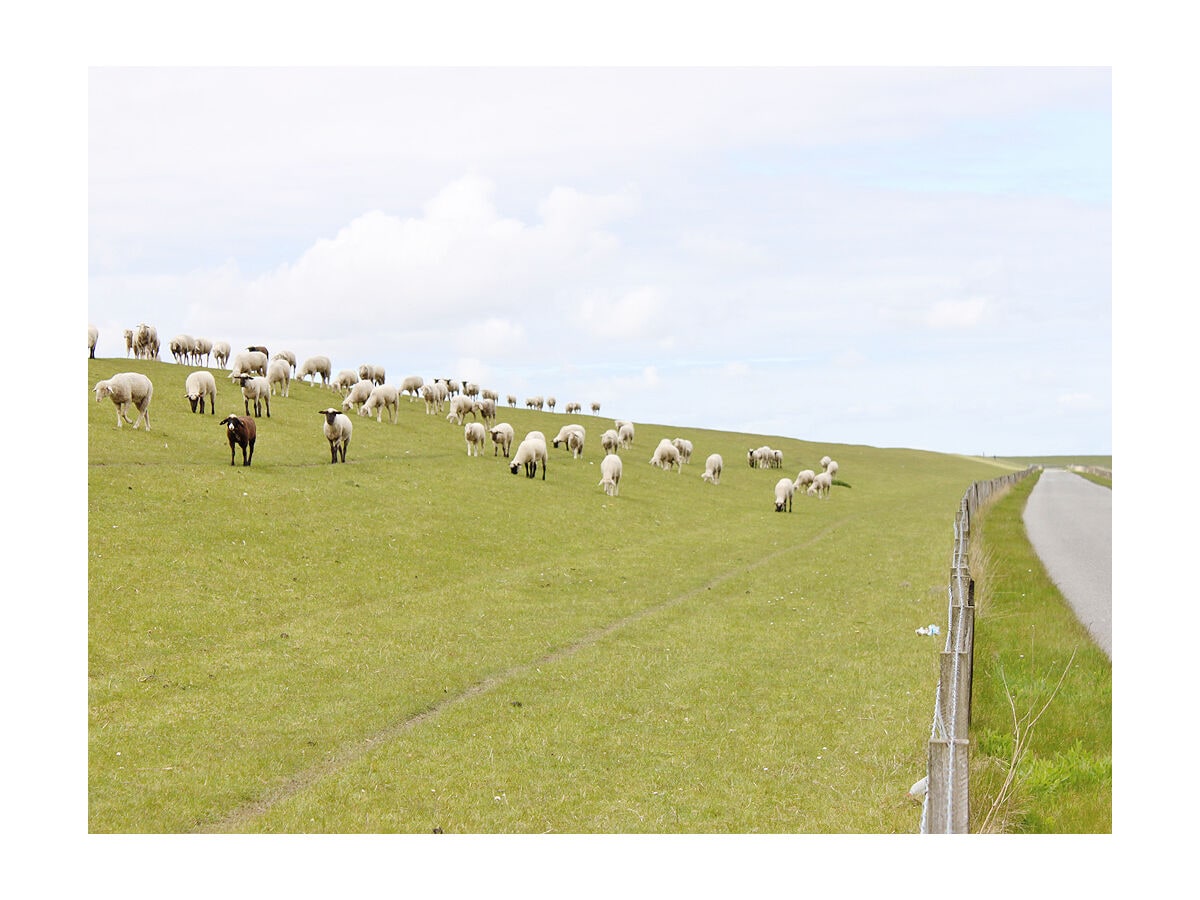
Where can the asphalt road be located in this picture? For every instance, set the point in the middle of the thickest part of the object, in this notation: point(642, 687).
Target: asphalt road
point(1069, 522)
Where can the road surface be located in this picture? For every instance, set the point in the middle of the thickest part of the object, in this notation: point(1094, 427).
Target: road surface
point(1069, 522)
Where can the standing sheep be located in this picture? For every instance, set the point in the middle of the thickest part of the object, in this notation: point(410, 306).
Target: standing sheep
point(820, 485)
point(241, 432)
point(383, 396)
point(183, 346)
point(573, 436)
point(315, 365)
point(502, 438)
point(128, 342)
point(460, 406)
point(279, 372)
point(625, 434)
point(712, 468)
point(338, 429)
point(248, 362)
point(198, 386)
point(609, 441)
point(784, 489)
point(684, 447)
point(529, 453)
point(372, 373)
point(411, 385)
point(610, 474)
point(665, 456)
point(475, 436)
point(831, 467)
point(125, 388)
point(204, 348)
point(290, 357)
point(256, 388)
point(804, 479)
point(343, 381)
point(93, 336)
point(220, 353)
point(595, 409)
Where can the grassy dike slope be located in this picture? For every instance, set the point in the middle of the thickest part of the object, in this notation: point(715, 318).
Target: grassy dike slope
point(418, 639)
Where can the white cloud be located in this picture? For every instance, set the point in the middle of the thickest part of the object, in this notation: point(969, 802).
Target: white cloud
point(631, 316)
point(956, 313)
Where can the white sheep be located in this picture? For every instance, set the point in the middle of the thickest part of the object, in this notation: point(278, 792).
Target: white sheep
point(371, 373)
point(202, 351)
point(820, 485)
point(665, 456)
point(475, 435)
point(460, 406)
point(512, 400)
point(712, 468)
point(776, 460)
point(220, 353)
point(825, 461)
point(315, 365)
point(550, 401)
point(573, 436)
point(289, 356)
point(343, 381)
point(145, 342)
point(256, 388)
point(435, 397)
point(182, 347)
point(93, 336)
point(831, 467)
point(595, 409)
point(610, 474)
point(609, 441)
point(625, 434)
point(536, 436)
point(488, 394)
point(486, 409)
point(279, 372)
point(502, 438)
point(248, 362)
point(529, 453)
point(383, 396)
point(338, 429)
point(358, 395)
point(760, 458)
point(125, 388)
point(684, 446)
point(198, 386)
point(128, 342)
point(412, 385)
point(804, 479)
point(784, 488)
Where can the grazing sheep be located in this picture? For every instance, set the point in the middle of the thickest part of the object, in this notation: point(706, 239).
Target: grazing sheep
point(784, 488)
point(125, 388)
point(289, 356)
point(346, 379)
point(198, 386)
point(475, 436)
point(820, 485)
point(220, 353)
point(529, 453)
point(595, 409)
point(831, 467)
point(383, 396)
point(256, 388)
point(609, 441)
point(412, 385)
point(93, 336)
point(712, 468)
point(242, 432)
point(202, 351)
point(573, 436)
point(279, 372)
point(372, 373)
point(248, 362)
point(804, 479)
point(502, 438)
point(665, 456)
point(182, 347)
point(338, 429)
point(536, 436)
point(459, 407)
point(359, 394)
point(684, 447)
point(610, 474)
point(625, 434)
point(315, 365)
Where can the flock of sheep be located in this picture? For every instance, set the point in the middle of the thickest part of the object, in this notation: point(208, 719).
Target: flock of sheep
point(366, 391)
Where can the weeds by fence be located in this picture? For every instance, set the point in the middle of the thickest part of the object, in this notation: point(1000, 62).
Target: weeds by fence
point(945, 807)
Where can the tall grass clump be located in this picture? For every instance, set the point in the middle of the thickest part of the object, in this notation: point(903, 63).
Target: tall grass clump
point(1041, 711)
point(417, 639)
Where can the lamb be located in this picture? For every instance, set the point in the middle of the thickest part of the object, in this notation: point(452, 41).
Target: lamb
point(279, 372)
point(625, 434)
point(358, 394)
point(125, 388)
point(804, 479)
point(248, 362)
point(93, 336)
point(346, 379)
point(529, 453)
point(198, 386)
point(502, 438)
point(241, 432)
point(684, 447)
point(412, 384)
point(610, 474)
point(475, 436)
point(372, 373)
point(573, 436)
point(256, 388)
point(820, 485)
point(712, 468)
point(315, 365)
point(784, 488)
point(220, 353)
point(383, 396)
point(665, 456)
point(609, 442)
point(338, 429)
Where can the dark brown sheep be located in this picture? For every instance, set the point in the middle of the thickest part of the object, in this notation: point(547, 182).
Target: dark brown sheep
point(241, 432)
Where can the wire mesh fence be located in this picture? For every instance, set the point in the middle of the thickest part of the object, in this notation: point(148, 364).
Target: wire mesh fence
point(946, 808)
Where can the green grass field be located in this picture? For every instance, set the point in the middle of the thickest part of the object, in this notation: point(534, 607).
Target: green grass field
point(419, 640)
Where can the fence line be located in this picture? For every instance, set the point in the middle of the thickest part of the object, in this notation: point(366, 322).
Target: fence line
point(945, 810)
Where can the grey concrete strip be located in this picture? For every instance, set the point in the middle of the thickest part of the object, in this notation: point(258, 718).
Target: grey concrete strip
point(1069, 523)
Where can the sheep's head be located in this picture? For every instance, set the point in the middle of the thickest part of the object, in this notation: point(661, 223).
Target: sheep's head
point(330, 414)
point(102, 390)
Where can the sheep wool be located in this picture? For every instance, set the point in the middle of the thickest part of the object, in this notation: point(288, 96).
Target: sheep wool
point(712, 469)
point(529, 453)
point(784, 489)
point(610, 474)
point(242, 432)
point(338, 429)
point(125, 388)
point(197, 387)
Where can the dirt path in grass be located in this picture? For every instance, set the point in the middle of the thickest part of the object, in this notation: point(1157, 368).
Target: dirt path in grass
point(1069, 523)
point(352, 752)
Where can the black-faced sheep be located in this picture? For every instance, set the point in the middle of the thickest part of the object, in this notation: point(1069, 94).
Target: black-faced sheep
point(784, 489)
point(610, 474)
point(256, 388)
point(338, 430)
point(529, 453)
point(242, 432)
point(712, 468)
point(502, 438)
point(198, 386)
point(125, 388)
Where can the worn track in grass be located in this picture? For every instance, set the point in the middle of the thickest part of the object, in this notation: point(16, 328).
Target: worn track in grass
point(352, 752)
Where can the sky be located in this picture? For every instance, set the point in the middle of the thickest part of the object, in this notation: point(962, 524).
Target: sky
point(896, 256)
